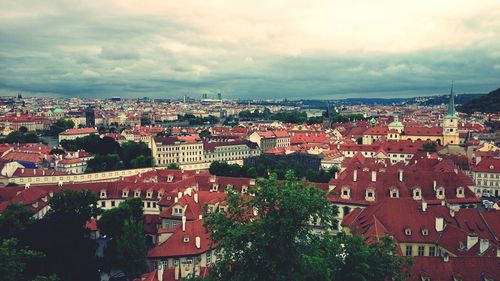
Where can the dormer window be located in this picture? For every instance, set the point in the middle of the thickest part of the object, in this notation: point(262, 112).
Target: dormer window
point(370, 194)
point(137, 193)
point(149, 194)
point(229, 186)
point(170, 178)
point(440, 193)
point(408, 231)
point(177, 211)
point(244, 189)
point(345, 193)
point(215, 187)
point(102, 194)
point(160, 194)
point(460, 192)
point(186, 239)
point(124, 193)
point(394, 193)
point(417, 194)
point(425, 231)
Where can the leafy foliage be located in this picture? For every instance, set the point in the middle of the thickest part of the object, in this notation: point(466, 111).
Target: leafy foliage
point(131, 248)
point(60, 126)
point(124, 226)
point(136, 155)
point(195, 120)
point(13, 220)
point(101, 163)
point(270, 236)
point(265, 168)
point(21, 137)
point(13, 260)
point(486, 104)
point(61, 234)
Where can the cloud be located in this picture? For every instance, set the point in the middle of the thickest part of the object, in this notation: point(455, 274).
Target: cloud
point(319, 49)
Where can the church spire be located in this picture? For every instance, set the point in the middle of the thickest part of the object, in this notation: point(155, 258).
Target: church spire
point(451, 104)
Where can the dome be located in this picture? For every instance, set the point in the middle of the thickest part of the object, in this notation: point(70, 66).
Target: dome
point(396, 124)
point(58, 111)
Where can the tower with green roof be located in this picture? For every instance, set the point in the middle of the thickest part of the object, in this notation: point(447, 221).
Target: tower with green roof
point(450, 123)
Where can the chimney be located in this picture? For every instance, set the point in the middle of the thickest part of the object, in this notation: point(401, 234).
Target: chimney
point(176, 272)
point(196, 197)
point(160, 272)
point(484, 244)
point(200, 217)
point(439, 224)
point(472, 240)
point(452, 212)
point(335, 175)
point(183, 223)
point(400, 175)
point(355, 175)
point(179, 194)
point(22, 171)
point(197, 241)
point(374, 176)
point(176, 199)
point(424, 206)
point(434, 184)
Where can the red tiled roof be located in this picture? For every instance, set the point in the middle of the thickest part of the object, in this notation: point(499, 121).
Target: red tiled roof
point(487, 165)
point(79, 131)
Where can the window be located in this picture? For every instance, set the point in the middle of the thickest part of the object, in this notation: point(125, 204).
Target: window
point(112, 203)
point(420, 251)
point(407, 231)
point(409, 250)
point(432, 251)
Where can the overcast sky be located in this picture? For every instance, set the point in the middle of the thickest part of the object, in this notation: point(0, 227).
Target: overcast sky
point(249, 49)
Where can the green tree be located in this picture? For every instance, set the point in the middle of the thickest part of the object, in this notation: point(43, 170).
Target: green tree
point(13, 260)
point(429, 147)
point(173, 166)
point(61, 234)
point(205, 133)
point(131, 248)
point(269, 248)
point(23, 129)
point(101, 163)
point(269, 236)
point(14, 219)
point(136, 155)
point(112, 220)
point(60, 126)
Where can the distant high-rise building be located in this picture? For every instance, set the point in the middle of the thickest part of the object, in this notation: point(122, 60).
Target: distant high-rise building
point(219, 96)
point(116, 99)
point(205, 96)
point(90, 117)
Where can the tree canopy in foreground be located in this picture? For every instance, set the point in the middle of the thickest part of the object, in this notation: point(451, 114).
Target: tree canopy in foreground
point(276, 233)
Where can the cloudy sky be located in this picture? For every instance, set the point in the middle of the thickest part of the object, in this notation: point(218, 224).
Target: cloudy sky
point(249, 49)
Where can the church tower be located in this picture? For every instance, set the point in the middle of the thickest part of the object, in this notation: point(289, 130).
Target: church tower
point(450, 123)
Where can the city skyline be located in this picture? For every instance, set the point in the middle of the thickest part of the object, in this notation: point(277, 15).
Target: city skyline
point(320, 50)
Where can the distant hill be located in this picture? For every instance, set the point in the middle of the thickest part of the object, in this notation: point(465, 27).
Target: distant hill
point(487, 104)
point(444, 99)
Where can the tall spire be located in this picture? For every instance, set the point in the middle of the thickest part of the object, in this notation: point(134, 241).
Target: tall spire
point(451, 104)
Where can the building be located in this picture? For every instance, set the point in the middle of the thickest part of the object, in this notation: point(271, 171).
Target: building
point(486, 175)
point(230, 151)
point(433, 230)
point(177, 150)
point(72, 134)
point(270, 139)
point(447, 134)
point(90, 117)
